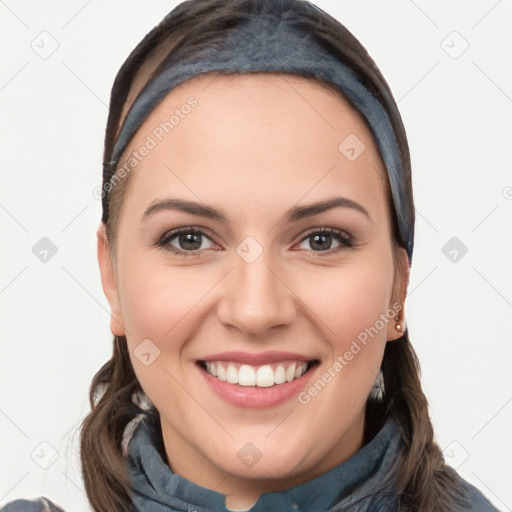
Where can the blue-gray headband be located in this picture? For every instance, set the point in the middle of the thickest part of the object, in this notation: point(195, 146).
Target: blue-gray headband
point(274, 41)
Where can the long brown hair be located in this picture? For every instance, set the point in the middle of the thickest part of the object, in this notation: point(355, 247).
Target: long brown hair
point(422, 480)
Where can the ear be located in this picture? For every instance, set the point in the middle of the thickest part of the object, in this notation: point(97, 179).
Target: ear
point(108, 282)
point(402, 275)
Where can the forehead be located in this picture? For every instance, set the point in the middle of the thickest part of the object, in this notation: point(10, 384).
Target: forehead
point(261, 87)
point(268, 129)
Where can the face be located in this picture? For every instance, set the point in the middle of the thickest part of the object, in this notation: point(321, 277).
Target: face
point(228, 283)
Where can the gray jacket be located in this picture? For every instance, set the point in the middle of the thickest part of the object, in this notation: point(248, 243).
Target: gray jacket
point(355, 485)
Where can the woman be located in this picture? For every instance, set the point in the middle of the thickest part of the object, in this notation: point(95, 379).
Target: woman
point(255, 248)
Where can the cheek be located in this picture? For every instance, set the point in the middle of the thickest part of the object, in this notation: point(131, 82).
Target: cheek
point(350, 302)
point(349, 310)
point(158, 301)
point(161, 303)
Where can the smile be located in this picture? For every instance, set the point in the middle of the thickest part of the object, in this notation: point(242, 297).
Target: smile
point(262, 376)
point(257, 380)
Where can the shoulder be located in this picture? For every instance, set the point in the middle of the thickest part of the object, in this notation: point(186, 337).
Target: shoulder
point(474, 499)
point(40, 504)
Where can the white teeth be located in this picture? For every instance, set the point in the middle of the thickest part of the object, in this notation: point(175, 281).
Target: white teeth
point(290, 373)
point(263, 376)
point(221, 373)
point(232, 374)
point(280, 375)
point(246, 376)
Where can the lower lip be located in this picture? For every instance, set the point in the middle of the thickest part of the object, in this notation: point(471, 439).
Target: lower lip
point(253, 397)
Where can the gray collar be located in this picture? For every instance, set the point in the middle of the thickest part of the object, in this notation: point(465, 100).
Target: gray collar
point(359, 478)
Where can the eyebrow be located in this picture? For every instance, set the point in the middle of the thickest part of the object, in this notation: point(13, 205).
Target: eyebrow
point(294, 214)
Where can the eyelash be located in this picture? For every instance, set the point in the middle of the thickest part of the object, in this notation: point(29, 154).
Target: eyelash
point(347, 242)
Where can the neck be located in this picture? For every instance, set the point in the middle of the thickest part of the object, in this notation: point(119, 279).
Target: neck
point(241, 490)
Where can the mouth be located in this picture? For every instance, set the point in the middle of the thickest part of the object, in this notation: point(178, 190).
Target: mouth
point(261, 376)
point(257, 381)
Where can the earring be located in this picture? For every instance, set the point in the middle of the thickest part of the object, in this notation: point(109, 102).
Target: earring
point(398, 326)
point(377, 390)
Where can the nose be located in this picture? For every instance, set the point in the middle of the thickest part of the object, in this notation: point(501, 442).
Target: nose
point(256, 298)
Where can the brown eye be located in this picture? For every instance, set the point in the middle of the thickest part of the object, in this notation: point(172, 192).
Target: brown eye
point(326, 240)
point(186, 241)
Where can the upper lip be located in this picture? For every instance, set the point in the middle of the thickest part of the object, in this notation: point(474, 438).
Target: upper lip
point(257, 359)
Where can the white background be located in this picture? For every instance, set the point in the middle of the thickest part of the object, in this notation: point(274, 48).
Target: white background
point(55, 320)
